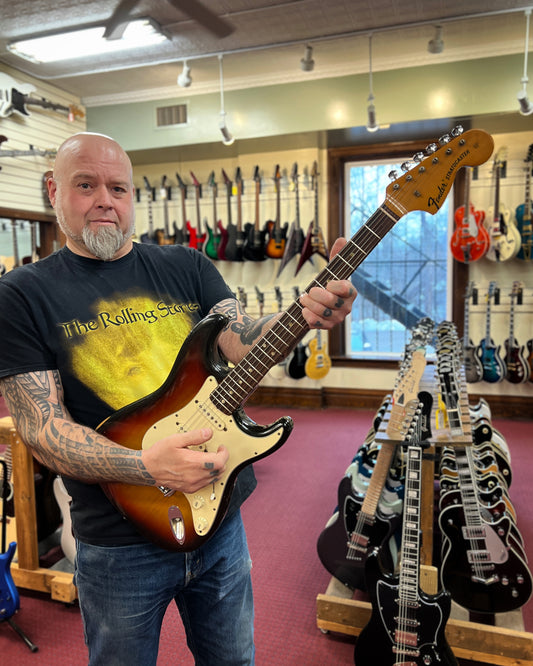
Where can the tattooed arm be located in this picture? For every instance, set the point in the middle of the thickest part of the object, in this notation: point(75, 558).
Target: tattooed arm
point(322, 308)
point(35, 402)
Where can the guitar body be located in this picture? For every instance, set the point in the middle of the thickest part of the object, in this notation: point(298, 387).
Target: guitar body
point(493, 367)
point(235, 243)
point(254, 244)
point(472, 364)
point(530, 358)
point(517, 368)
point(345, 544)
point(377, 642)
point(181, 521)
point(491, 579)
point(296, 365)
point(181, 237)
point(505, 239)
point(470, 240)
point(162, 238)
point(196, 240)
point(9, 597)
point(293, 245)
point(222, 241)
point(525, 229)
point(318, 363)
point(210, 246)
point(314, 243)
point(277, 236)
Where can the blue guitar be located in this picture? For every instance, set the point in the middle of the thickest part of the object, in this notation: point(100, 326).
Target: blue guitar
point(9, 597)
point(489, 353)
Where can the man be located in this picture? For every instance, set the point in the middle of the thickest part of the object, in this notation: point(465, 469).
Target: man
point(90, 329)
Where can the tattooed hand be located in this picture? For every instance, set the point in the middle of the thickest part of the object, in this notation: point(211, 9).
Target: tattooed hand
point(325, 308)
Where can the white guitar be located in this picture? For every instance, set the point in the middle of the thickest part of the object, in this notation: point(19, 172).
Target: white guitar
point(505, 239)
point(68, 543)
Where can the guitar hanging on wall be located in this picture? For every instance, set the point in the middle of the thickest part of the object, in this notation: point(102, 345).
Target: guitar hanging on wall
point(470, 240)
point(488, 351)
point(277, 234)
point(516, 365)
point(14, 97)
point(236, 235)
point(472, 363)
point(149, 236)
point(523, 214)
point(295, 236)
point(163, 236)
point(314, 243)
point(504, 236)
point(201, 389)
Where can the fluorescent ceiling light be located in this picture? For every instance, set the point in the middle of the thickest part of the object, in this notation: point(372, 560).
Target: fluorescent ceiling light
point(86, 42)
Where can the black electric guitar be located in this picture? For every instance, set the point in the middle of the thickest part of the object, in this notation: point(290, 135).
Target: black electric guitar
point(254, 244)
point(407, 625)
point(202, 390)
point(314, 243)
point(295, 366)
point(236, 235)
point(223, 231)
point(488, 351)
point(482, 563)
point(197, 235)
point(163, 236)
point(523, 214)
point(360, 526)
point(295, 236)
point(516, 366)
point(181, 234)
point(472, 363)
point(149, 236)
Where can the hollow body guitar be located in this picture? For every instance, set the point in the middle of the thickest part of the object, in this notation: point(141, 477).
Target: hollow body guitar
point(201, 391)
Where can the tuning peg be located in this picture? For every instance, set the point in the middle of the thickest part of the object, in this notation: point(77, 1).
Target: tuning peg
point(444, 139)
point(457, 130)
point(405, 166)
point(393, 174)
point(418, 157)
point(431, 148)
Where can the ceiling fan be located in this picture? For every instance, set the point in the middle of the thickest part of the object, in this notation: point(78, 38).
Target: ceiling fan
point(116, 25)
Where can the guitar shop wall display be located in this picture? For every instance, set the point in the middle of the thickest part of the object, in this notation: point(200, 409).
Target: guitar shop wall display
point(239, 223)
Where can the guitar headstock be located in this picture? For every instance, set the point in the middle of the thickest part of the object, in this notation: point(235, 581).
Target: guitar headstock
point(75, 112)
point(212, 183)
point(257, 179)
point(516, 291)
point(163, 188)
point(469, 290)
point(294, 177)
point(182, 186)
point(196, 184)
point(227, 182)
point(492, 290)
point(314, 176)
point(427, 180)
point(147, 185)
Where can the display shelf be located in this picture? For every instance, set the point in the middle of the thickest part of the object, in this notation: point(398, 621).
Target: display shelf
point(26, 571)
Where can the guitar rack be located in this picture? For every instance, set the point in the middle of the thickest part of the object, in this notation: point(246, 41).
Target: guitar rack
point(503, 642)
point(26, 572)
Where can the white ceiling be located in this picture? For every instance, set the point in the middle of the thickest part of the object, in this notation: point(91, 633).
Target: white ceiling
point(266, 41)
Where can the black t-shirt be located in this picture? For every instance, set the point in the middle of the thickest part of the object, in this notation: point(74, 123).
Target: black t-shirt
point(113, 330)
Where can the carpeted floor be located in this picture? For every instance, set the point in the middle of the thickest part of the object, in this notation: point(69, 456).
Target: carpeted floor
point(296, 495)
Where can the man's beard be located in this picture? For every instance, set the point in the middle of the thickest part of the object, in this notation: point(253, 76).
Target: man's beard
point(103, 244)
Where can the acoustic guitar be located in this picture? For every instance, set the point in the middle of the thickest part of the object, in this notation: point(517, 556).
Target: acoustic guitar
point(201, 390)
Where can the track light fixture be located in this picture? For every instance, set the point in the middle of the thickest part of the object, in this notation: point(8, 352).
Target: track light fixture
point(227, 137)
point(436, 45)
point(371, 125)
point(307, 63)
point(184, 79)
point(526, 107)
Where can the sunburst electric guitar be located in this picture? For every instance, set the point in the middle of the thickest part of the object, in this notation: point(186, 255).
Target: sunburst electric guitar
point(202, 391)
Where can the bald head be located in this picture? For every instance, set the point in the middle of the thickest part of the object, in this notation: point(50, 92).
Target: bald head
point(92, 192)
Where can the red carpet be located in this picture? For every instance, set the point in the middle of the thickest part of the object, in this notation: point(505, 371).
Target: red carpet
point(296, 495)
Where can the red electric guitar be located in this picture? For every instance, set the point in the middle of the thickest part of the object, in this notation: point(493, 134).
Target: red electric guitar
point(470, 240)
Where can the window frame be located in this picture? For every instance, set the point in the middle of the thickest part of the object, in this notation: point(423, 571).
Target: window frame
point(336, 190)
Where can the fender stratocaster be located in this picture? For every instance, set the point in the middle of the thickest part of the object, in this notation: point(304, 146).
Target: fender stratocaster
point(203, 391)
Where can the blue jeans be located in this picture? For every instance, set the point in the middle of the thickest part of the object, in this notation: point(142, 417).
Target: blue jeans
point(124, 592)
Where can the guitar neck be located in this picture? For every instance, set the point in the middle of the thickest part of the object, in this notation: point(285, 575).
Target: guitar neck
point(410, 556)
point(291, 327)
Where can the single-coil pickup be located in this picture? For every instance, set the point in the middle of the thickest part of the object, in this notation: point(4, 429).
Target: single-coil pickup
point(211, 415)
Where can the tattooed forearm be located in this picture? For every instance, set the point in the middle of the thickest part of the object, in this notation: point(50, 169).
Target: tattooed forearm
point(35, 402)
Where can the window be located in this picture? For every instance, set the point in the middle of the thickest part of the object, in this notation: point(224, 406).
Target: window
point(404, 278)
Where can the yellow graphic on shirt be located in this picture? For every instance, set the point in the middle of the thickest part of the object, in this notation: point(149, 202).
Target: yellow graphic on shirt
point(127, 350)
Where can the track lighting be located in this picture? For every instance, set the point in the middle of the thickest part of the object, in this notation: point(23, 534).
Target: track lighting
point(526, 107)
point(307, 63)
point(371, 125)
point(227, 137)
point(436, 45)
point(184, 79)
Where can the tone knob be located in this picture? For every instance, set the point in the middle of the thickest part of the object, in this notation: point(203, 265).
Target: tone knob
point(201, 525)
point(198, 501)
